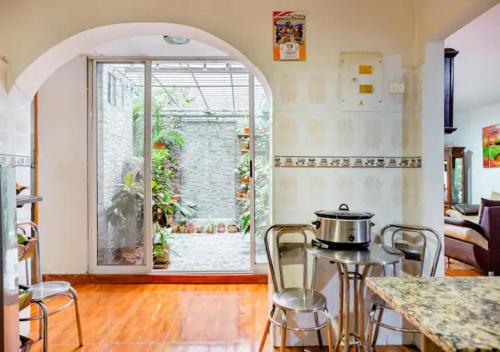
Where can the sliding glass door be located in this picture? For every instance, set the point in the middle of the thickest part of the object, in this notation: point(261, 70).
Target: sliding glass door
point(120, 159)
point(180, 166)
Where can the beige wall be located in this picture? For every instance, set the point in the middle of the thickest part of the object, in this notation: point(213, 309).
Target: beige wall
point(62, 106)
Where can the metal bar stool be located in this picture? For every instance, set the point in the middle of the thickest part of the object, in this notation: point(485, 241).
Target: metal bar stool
point(292, 300)
point(415, 250)
point(41, 291)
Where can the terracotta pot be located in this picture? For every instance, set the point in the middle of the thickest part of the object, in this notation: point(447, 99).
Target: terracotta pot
point(170, 220)
point(244, 146)
point(199, 229)
point(232, 228)
point(210, 229)
point(221, 228)
point(245, 180)
point(246, 131)
point(182, 228)
point(162, 261)
point(175, 228)
point(190, 228)
point(159, 145)
point(129, 255)
point(242, 195)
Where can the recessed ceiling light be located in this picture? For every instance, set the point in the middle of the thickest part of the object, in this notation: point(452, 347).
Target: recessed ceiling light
point(176, 40)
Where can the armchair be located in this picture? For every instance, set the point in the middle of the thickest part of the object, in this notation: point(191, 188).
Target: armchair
point(475, 244)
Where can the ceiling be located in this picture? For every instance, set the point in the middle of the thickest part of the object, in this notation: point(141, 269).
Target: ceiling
point(477, 66)
point(154, 45)
point(197, 88)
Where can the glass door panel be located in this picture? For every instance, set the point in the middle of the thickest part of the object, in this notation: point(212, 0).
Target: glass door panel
point(120, 155)
point(262, 168)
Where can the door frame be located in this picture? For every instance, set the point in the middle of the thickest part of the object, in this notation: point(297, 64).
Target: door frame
point(94, 268)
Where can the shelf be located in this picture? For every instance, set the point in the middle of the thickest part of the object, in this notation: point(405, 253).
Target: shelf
point(27, 199)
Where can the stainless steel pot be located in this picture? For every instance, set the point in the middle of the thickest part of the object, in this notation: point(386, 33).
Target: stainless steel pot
point(343, 228)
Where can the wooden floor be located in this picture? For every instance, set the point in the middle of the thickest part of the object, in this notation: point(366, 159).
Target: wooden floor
point(159, 317)
point(454, 268)
point(162, 317)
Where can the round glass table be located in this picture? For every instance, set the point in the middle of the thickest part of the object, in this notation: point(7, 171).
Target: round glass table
point(349, 262)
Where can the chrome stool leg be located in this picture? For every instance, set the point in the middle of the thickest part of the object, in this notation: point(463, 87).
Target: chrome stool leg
point(283, 332)
point(44, 324)
point(318, 332)
point(77, 313)
point(40, 323)
point(377, 326)
point(266, 330)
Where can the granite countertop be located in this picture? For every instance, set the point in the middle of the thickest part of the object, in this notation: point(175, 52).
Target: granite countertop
point(456, 313)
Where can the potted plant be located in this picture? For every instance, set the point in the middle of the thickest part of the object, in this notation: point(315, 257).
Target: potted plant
point(243, 170)
point(199, 229)
point(209, 226)
point(190, 227)
point(232, 228)
point(161, 249)
point(221, 228)
point(125, 214)
point(245, 222)
point(182, 226)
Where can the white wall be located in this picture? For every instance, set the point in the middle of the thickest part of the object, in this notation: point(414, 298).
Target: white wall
point(480, 181)
point(63, 170)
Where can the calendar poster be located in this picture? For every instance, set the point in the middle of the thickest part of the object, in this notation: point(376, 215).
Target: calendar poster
point(289, 41)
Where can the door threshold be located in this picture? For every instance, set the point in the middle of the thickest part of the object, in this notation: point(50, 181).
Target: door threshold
point(160, 278)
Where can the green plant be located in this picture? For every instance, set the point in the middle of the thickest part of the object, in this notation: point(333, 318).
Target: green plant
point(245, 222)
point(244, 166)
point(209, 225)
point(127, 206)
point(164, 206)
point(161, 248)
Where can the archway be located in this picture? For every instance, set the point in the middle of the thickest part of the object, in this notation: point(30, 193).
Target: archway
point(42, 68)
point(32, 78)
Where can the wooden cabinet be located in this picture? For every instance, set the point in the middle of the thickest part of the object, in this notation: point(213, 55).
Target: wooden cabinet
point(454, 175)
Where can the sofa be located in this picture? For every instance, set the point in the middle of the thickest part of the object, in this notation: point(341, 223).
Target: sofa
point(476, 244)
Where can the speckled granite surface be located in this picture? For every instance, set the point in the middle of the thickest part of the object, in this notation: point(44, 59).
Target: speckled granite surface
point(457, 314)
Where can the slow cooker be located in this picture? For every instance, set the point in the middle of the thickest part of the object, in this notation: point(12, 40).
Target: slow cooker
point(343, 227)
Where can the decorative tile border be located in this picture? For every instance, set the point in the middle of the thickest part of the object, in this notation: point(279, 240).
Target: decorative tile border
point(348, 161)
point(15, 160)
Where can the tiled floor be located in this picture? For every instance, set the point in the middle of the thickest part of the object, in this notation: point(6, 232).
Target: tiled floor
point(162, 318)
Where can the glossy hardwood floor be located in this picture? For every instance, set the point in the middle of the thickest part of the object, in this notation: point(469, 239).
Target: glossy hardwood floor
point(160, 317)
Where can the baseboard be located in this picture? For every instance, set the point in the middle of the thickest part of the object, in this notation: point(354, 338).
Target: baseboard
point(158, 278)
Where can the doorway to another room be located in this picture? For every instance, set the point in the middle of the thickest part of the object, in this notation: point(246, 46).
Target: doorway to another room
point(181, 151)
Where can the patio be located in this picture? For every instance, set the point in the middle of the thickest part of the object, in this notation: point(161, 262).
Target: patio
point(206, 252)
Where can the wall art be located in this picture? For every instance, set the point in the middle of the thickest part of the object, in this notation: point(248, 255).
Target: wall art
point(289, 36)
point(491, 146)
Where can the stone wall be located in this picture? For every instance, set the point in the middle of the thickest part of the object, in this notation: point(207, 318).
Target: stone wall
point(210, 157)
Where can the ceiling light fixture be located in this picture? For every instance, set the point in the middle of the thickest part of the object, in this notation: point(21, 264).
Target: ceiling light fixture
point(176, 40)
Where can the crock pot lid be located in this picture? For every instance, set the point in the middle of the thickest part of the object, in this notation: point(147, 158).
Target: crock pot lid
point(344, 214)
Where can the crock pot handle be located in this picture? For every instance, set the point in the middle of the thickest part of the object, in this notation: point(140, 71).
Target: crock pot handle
point(344, 206)
point(316, 223)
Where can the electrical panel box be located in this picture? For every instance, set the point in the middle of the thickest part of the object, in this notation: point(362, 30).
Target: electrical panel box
point(361, 81)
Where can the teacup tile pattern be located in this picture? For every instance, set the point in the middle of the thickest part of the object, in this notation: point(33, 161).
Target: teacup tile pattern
point(14, 160)
point(348, 161)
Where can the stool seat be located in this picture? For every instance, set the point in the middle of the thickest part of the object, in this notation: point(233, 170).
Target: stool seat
point(48, 289)
point(300, 300)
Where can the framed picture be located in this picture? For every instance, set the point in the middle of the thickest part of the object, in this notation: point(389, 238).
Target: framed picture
point(491, 146)
point(289, 36)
